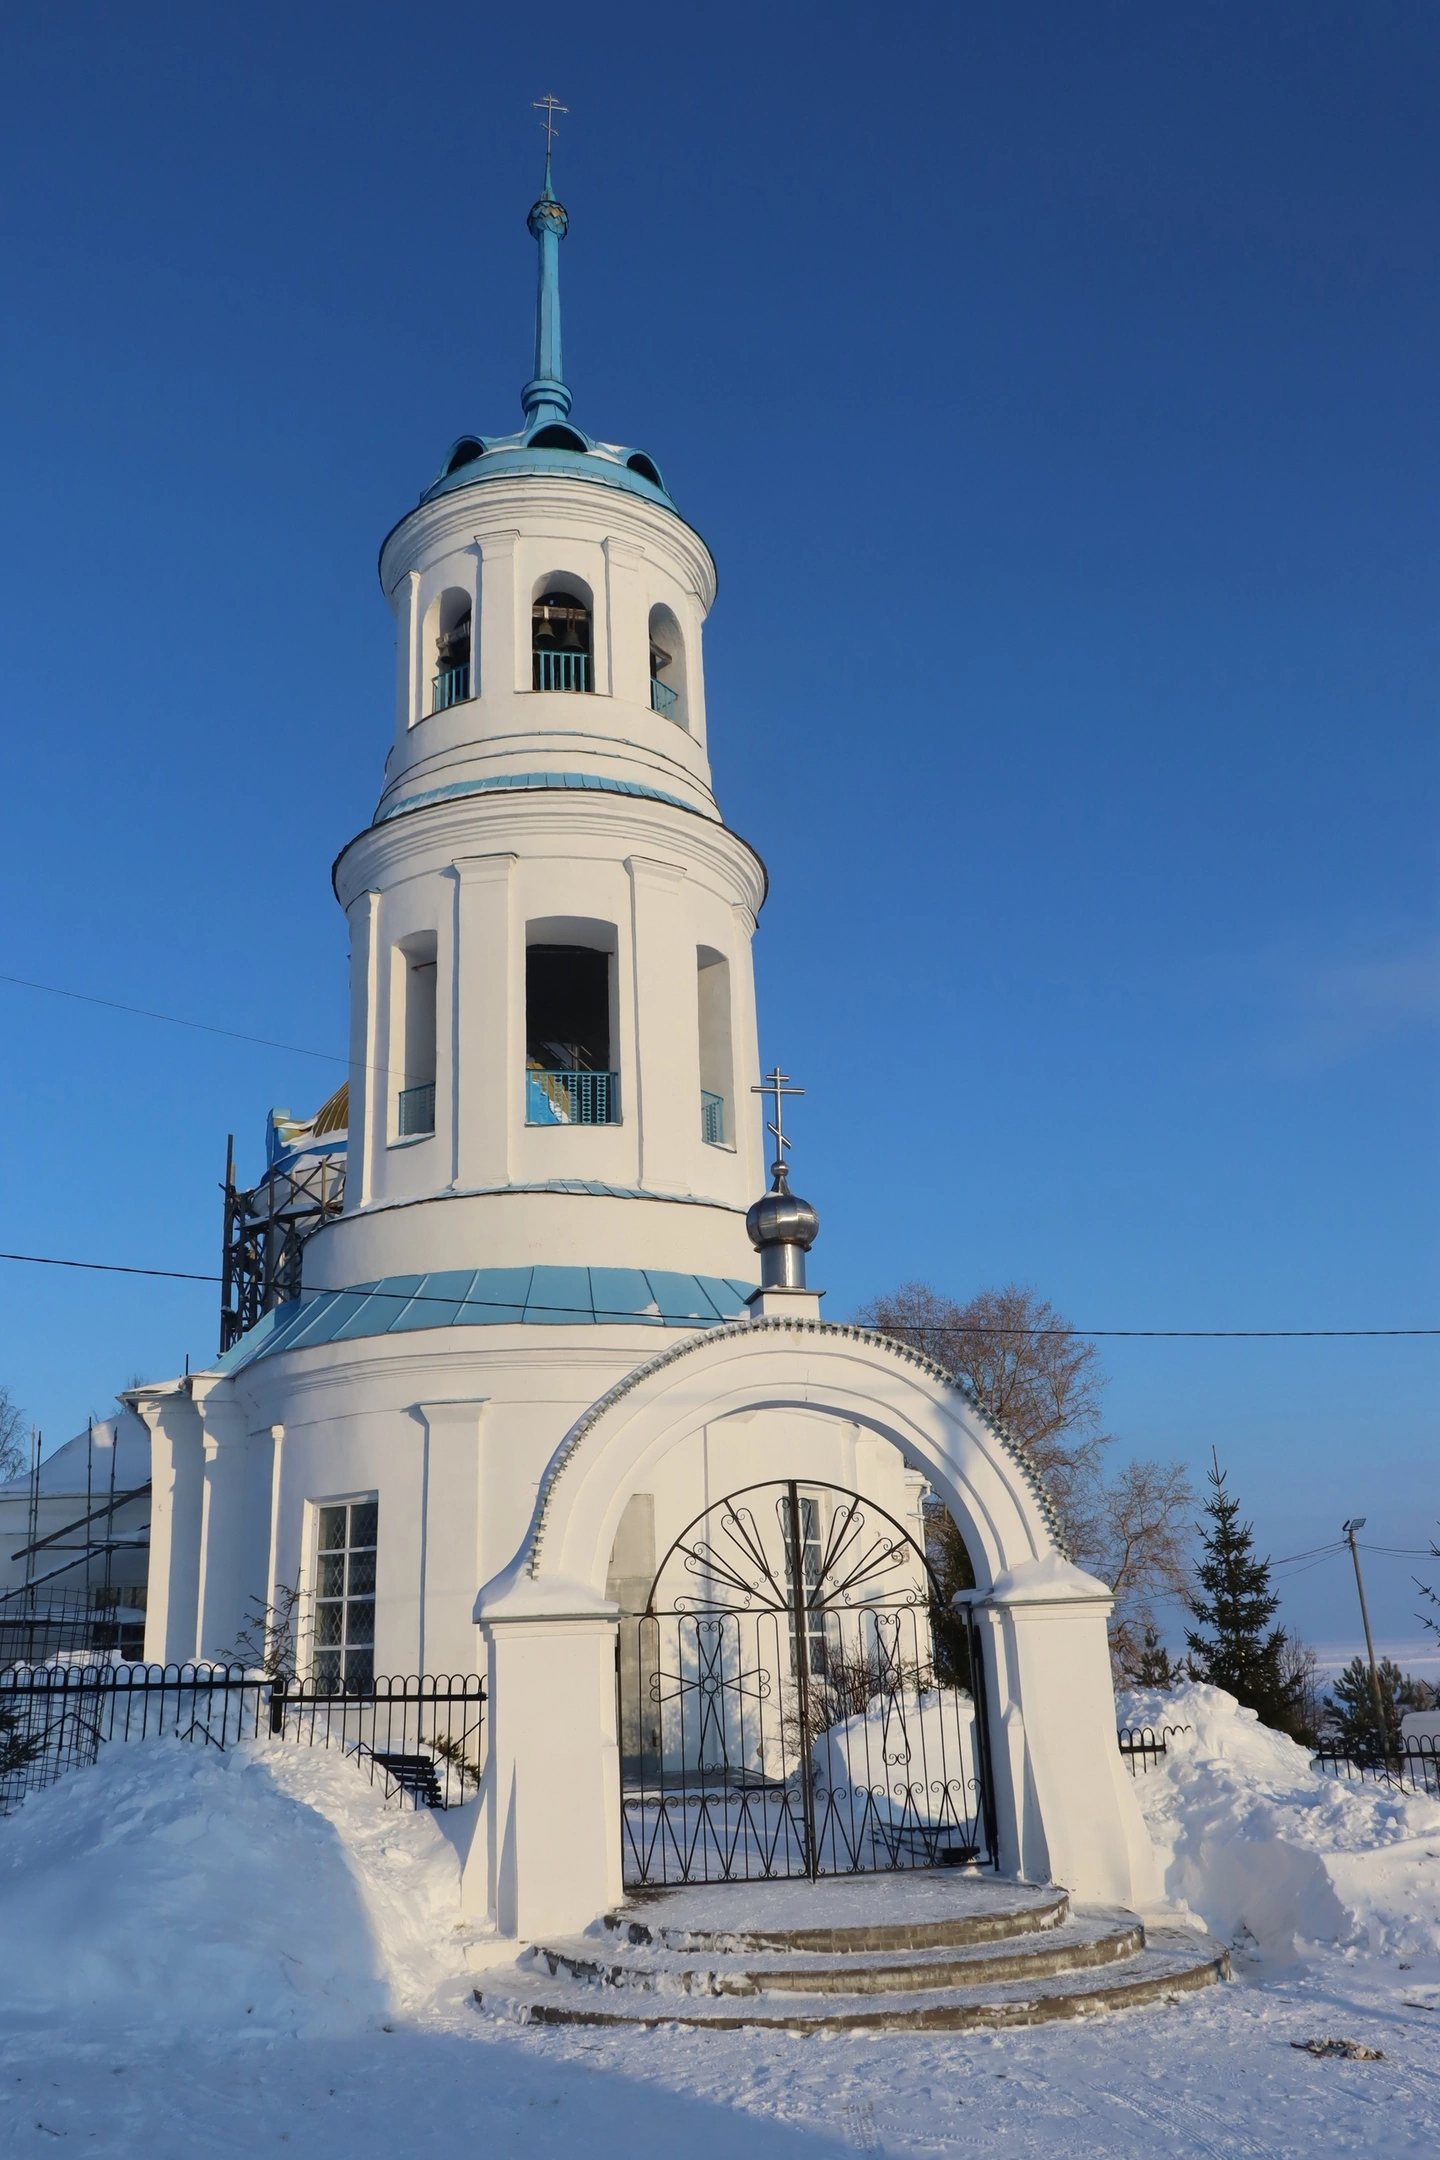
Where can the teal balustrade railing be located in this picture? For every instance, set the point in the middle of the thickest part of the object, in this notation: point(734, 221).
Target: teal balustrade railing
point(451, 687)
point(572, 1098)
point(712, 1118)
point(663, 699)
point(562, 671)
point(417, 1110)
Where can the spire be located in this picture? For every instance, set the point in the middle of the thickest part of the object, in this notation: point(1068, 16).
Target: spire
point(545, 397)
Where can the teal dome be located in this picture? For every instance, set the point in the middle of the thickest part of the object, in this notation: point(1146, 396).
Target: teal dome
point(549, 441)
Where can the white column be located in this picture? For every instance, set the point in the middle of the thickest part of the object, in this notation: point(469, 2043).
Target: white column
point(219, 1594)
point(506, 660)
point(447, 1062)
point(666, 1083)
point(745, 1049)
point(489, 1059)
point(366, 1082)
point(552, 1772)
point(176, 1490)
point(627, 623)
point(407, 667)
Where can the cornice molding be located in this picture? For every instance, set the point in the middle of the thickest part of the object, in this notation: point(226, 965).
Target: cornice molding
point(527, 822)
point(536, 505)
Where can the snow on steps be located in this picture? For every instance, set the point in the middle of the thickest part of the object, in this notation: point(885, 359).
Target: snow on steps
point(925, 1953)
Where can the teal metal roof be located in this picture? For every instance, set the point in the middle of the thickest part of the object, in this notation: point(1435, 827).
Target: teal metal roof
point(494, 1297)
point(571, 782)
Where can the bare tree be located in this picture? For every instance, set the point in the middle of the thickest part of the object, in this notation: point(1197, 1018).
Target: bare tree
point(1038, 1376)
point(13, 1451)
point(1141, 1549)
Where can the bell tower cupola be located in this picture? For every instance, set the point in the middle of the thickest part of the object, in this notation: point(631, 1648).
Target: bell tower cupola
point(553, 1036)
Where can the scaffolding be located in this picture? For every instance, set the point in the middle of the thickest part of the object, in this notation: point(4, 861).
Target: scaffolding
point(268, 1227)
point(51, 1618)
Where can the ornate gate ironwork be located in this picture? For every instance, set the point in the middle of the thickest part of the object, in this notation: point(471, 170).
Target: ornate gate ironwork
point(785, 1707)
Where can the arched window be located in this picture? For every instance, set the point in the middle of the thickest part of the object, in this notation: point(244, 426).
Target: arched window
point(569, 1023)
point(667, 666)
point(716, 1063)
point(414, 1035)
point(453, 626)
point(560, 641)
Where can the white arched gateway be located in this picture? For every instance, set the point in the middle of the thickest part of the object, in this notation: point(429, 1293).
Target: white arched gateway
point(791, 1399)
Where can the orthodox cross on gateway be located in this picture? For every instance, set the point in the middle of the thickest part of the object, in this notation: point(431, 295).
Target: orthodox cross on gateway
point(777, 1085)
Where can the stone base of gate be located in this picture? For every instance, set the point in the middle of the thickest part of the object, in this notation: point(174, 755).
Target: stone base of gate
point(917, 1952)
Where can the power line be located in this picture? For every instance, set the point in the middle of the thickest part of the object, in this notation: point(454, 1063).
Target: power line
point(108, 1267)
point(202, 1027)
point(115, 1267)
point(1172, 1334)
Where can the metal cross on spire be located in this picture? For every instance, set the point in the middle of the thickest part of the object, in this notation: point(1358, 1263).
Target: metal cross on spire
point(777, 1085)
point(549, 106)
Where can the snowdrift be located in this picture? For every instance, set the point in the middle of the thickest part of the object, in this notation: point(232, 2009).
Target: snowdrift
point(1259, 1845)
point(178, 1889)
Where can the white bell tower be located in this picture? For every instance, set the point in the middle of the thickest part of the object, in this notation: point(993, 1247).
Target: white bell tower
point(553, 1040)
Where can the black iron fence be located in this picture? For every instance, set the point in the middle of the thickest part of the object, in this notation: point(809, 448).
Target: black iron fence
point(1141, 1747)
point(1414, 1767)
point(419, 1738)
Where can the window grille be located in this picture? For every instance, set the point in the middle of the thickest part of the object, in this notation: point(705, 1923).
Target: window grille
point(344, 1652)
point(810, 1577)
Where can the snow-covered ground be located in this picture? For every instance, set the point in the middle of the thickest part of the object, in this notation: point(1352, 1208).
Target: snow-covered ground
point(207, 1954)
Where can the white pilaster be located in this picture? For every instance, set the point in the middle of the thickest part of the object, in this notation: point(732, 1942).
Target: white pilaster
point(487, 1008)
point(667, 1077)
point(450, 1534)
point(219, 1591)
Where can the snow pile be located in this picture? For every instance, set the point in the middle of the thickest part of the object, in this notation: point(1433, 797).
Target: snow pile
point(176, 1888)
point(915, 1754)
point(1259, 1845)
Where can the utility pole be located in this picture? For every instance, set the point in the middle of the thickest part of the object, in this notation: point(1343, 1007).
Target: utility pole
point(1347, 1531)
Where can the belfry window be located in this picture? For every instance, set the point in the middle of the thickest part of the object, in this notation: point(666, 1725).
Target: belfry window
point(562, 658)
point(451, 684)
point(568, 1075)
point(416, 976)
point(713, 999)
point(343, 1660)
point(667, 666)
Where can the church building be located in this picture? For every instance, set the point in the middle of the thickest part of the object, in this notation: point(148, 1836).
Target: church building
point(549, 1397)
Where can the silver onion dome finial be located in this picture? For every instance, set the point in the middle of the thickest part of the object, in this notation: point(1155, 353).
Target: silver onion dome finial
point(782, 1227)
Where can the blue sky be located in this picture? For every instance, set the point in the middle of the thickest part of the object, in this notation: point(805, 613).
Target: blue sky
point(1055, 387)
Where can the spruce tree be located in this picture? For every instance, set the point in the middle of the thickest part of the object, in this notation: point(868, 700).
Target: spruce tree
point(1350, 1708)
point(1235, 1646)
point(1154, 1667)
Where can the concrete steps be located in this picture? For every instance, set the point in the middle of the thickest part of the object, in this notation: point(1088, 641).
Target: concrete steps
point(922, 1952)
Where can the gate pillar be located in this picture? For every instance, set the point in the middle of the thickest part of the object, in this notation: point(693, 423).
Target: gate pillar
point(1066, 1811)
point(552, 1777)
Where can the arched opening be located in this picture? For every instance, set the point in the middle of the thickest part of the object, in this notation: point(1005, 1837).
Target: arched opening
point(555, 437)
point(781, 1707)
point(646, 467)
point(414, 1035)
point(667, 666)
point(464, 453)
point(716, 1065)
point(569, 1021)
point(560, 640)
point(454, 624)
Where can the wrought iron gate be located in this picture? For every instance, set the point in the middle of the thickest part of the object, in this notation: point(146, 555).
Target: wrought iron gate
point(786, 1707)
